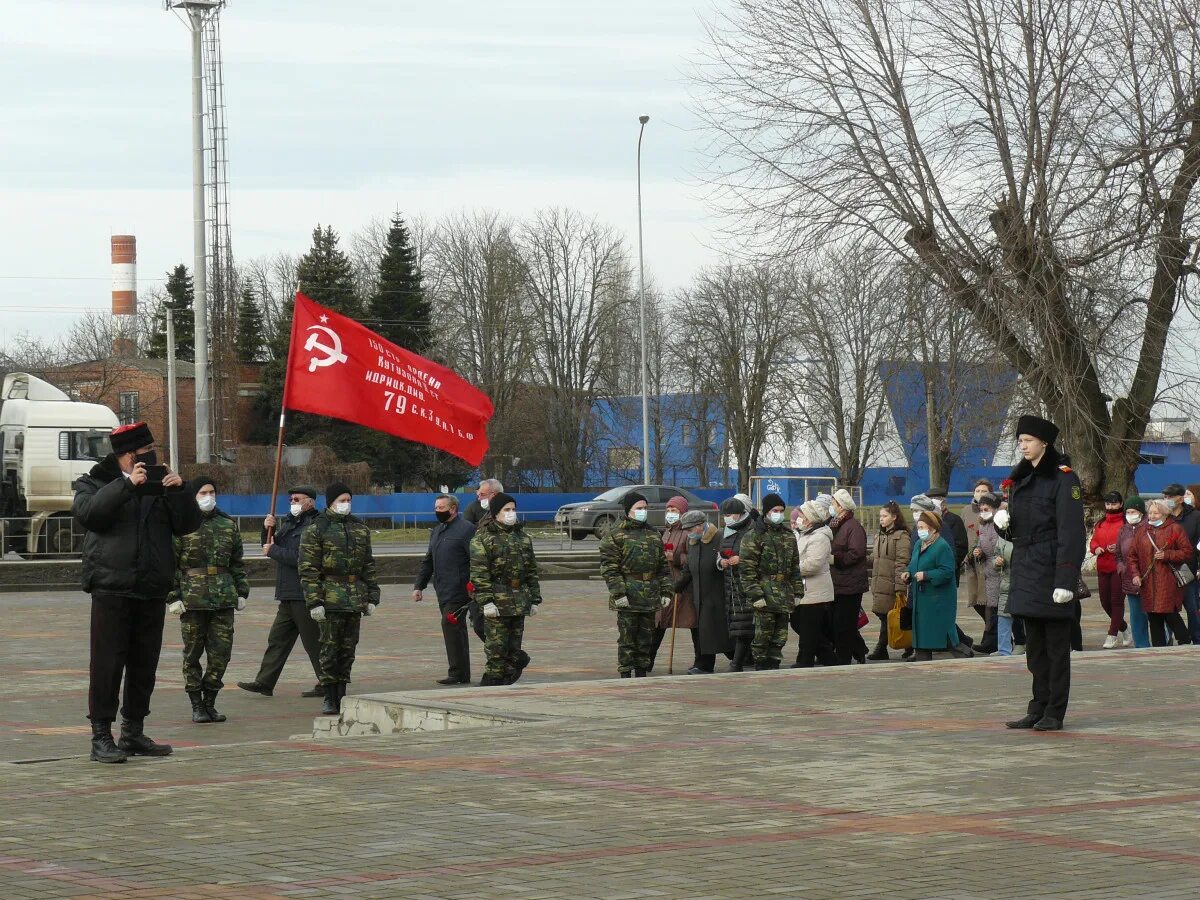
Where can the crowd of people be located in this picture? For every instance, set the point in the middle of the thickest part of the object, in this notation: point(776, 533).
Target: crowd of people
point(740, 587)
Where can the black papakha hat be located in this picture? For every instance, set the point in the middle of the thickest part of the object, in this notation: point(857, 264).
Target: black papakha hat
point(1041, 429)
point(128, 438)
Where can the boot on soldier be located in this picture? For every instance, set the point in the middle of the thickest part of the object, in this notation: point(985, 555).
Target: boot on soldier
point(741, 655)
point(210, 698)
point(490, 680)
point(199, 707)
point(103, 748)
point(330, 706)
point(135, 743)
point(521, 663)
point(341, 694)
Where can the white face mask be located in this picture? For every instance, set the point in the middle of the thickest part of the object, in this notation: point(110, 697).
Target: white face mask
point(775, 517)
point(672, 517)
point(923, 533)
point(296, 508)
point(484, 503)
point(1133, 517)
point(986, 515)
point(343, 508)
point(508, 517)
point(730, 521)
point(207, 503)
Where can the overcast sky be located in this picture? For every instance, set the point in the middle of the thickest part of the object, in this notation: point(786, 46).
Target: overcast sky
point(338, 112)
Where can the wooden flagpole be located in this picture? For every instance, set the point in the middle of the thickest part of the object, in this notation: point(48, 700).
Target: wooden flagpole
point(287, 371)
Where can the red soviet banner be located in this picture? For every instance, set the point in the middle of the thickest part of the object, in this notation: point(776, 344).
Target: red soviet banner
point(337, 367)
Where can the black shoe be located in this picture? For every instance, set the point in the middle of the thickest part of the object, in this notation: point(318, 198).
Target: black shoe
point(625, 674)
point(920, 656)
point(255, 688)
point(103, 748)
point(200, 712)
point(135, 743)
point(315, 691)
point(330, 706)
point(1028, 722)
point(1048, 724)
point(448, 680)
point(490, 681)
point(639, 673)
point(908, 654)
point(879, 653)
point(210, 697)
point(735, 667)
point(696, 670)
point(962, 651)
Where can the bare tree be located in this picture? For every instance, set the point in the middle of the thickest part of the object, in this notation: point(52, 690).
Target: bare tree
point(738, 319)
point(1037, 158)
point(578, 282)
point(273, 279)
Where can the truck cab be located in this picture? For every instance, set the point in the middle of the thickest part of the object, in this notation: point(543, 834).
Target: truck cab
point(47, 440)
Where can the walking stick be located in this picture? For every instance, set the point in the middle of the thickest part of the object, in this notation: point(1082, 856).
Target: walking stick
point(671, 655)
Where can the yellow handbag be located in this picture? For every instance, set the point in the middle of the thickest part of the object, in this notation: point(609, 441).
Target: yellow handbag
point(899, 638)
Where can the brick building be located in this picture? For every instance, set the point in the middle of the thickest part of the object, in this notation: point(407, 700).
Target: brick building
point(136, 390)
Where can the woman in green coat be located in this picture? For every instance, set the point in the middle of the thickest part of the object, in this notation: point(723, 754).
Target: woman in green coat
point(933, 592)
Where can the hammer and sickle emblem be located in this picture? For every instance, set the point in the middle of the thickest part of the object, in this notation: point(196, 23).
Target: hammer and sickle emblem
point(332, 354)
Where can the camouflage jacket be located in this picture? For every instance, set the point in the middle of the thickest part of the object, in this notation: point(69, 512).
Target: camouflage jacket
point(216, 547)
point(633, 565)
point(503, 569)
point(771, 567)
point(337, 567)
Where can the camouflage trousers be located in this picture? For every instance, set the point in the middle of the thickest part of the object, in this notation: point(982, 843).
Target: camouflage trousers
point(770, 634)
point(339, 638)
point(502, 638)
point(635, 640)
point(210, 632)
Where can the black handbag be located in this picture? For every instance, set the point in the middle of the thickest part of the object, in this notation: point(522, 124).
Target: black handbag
point(1082, 591)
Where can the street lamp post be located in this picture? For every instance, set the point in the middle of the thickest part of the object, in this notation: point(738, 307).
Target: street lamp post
point(642, 294)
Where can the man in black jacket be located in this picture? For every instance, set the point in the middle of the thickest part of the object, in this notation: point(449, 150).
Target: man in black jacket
point(291, 618)
point(477, 511)
point(448, 563)
point(129, 520)
point(1189, 519)
point(953, 527)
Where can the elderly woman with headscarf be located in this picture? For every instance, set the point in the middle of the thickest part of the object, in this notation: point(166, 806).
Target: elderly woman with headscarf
point(705, 584)
point(814, 541)
point(934, 594)
point(681, 613)
point(738, 524)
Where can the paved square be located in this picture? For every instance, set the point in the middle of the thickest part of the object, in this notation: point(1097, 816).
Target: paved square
point(884, 780)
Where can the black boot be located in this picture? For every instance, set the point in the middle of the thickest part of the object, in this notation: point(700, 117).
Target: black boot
point(962, 651)
point(103, 748)
point(522, 662)
point(340, 694)
point(330, 706)
point(625, 674)
point(199, 707)
point(490, 681)
point(881, 648)
point(135, 743)
point(741, 655)
point(210, 698)
point(639, 673)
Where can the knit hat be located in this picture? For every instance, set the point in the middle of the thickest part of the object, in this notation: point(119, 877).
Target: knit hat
point(733, 507)
point(746, 501)
point(1041, 429)
point(499, 501)
point(1136, 502)
point(990, 500)
point(306, 489)
point(771, 501)
point(335, 490)
point(845, 501)
point(692, 519)
point(921, 503)
point(127, 438)
point(932, 519)
point(814, 512)
point(1114, 497)
point(823, 500)
point(627, 501)
point(680, 503)
point(200, 481)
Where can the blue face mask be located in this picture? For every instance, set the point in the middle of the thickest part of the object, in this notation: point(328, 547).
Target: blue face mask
point(1159, 524)
point(923, 534)
point(638, 515)
point(693, 538)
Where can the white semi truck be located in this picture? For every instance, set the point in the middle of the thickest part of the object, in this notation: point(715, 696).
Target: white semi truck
point(47, 440)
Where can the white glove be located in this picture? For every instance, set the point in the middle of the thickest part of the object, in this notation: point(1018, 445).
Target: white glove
point(796, 601)
point(533, 609)
point(621, 603)
point(666, 601)
point(370, 610)
point(176, 608)
point(241, 604)
point(317, 613)
point(760, 604)
point(1062, 595)
point(1000, 519)
point(491, 610)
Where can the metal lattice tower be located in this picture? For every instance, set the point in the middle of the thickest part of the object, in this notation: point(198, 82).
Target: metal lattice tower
point(213, 272)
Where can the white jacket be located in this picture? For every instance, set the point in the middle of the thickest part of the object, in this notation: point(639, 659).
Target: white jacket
point(816, 550)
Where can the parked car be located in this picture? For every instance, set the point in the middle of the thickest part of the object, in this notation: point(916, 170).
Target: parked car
point(596, 516)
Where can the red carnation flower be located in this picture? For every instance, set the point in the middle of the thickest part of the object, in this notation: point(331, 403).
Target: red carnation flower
point(470, 587)
point(452, 618)
point(669, 548)
point(1006, 484)
point(727, 553)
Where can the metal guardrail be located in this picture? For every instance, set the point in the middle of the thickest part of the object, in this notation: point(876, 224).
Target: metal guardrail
point(35, 537)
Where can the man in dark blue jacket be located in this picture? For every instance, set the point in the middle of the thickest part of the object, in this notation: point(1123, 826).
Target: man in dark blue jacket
point(130, 509)
point(448, 563)
point(291, 619)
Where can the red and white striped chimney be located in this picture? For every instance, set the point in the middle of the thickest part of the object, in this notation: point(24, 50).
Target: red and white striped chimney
point(124, 275)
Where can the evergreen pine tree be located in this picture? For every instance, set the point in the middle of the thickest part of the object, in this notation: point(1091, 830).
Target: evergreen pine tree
point(399, 309)
point(249, 329)
point(180, 294)
point(326, 276)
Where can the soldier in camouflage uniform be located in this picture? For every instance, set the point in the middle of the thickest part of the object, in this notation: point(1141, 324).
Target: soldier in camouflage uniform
point(337, 573)
point(639, 583)
point(505, 575)
point(772, 581)
point(210, 584)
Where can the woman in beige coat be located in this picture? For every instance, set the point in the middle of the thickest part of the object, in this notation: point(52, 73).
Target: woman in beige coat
point(814, 540)
point(893, 550)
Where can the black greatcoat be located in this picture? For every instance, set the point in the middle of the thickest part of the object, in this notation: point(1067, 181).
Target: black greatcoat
point(707, 584)
point(1048, 537)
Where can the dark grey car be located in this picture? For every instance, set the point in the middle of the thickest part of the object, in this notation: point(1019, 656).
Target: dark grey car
point(596, 516)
